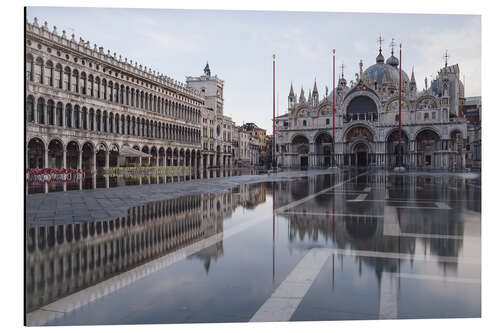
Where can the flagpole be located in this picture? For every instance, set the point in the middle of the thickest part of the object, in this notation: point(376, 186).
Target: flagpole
point(333, 111)
point(399, 129)
point(274, 109)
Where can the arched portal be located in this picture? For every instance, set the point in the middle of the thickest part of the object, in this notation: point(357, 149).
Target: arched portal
point(72, 155)
point(323, 148)
point(55, 154)
point(300, 147)
point(360, 152)
point(427, 145)
point(395, 146)
point(36, 154)
point(358, 140)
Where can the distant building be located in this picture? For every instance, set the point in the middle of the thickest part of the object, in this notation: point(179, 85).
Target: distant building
point(472, 111)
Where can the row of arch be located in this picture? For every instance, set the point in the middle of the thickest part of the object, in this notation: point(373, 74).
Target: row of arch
point(72, 80)
point(80, 117)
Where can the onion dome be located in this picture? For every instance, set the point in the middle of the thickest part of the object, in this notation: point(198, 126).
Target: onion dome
point(393, 61)
point(380, 58)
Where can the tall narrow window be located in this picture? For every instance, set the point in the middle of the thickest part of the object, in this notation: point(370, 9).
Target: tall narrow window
point(68, 116)
point(40, 111)
point(30, 112)
point(76, 116)
point(59, 113)
point(50, 112)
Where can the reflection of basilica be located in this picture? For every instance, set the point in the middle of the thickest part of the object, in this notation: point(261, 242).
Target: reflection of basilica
point(66, 258)
point(332, 220)
point(367, 117)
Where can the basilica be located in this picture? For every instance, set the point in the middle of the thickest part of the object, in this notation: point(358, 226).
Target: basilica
point(434, 128)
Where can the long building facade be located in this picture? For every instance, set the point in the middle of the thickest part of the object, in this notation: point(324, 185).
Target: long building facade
point(91, 110)
point(434, 128)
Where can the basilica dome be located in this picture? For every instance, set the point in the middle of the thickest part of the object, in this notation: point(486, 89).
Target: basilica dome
point(389, 70)
point(377, 72)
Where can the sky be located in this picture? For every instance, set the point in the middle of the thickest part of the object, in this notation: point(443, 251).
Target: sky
point(239, 45)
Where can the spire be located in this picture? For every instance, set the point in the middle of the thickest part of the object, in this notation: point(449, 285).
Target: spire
point(361, 70)
point(315, 89)
point(309, 99)
point(380, 58)
point(291, 90)
point(207, 70)
point(445, 57)
point(392, 60)
point(302, 98)
point(412, 74)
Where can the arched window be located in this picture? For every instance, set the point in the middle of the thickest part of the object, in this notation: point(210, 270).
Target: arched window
point(123, 124)
point(98, 86)
point(98, 121)
point(49, 73)
point(39, 70)
point(328, 121)
point(111, 120)
point(304, 123)
point(68, 115)
point(110, 86)
point(75, 80)
point(50, 112)
point(122, 94)
point(67, 78)
point(91, 85)
point(105, 121)
point(59, 114)
point(84, 118)
point(76, 116)
point(83, 83)
point(29, 67)
point(117, 123)
point(30, 112)
point(91, 119)
point(59, 76)
point(40, 111)
point(116, 92)
point(104, 89)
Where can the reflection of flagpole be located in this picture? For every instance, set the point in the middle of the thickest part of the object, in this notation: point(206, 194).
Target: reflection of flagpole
point(274, 239)
point(333, 234)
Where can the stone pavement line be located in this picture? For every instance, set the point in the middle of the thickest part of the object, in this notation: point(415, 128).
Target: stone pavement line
point(388, 300)
point(314, 195)
point(281, 305)
point(74, 301)
point(287, 297)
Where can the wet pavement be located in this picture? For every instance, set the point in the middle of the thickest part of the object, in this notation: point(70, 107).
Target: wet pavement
point(355, 244)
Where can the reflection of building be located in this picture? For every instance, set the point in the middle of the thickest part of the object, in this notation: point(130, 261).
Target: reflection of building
point(62, 259)
point(360, 225)
point(367, 111)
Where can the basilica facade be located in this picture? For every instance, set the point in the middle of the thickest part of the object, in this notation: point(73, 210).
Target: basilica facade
point(434, 128)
